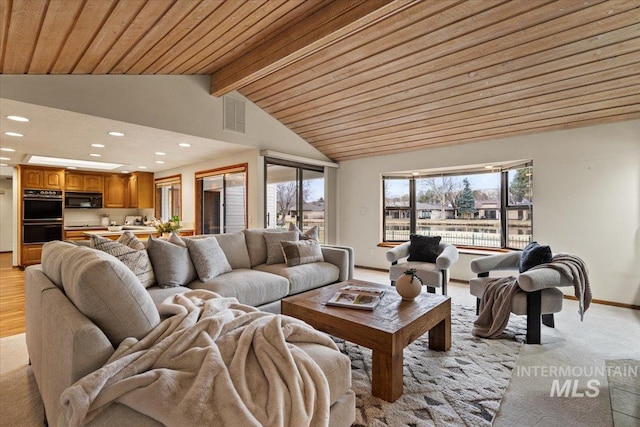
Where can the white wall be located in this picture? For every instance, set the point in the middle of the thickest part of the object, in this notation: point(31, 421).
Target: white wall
point(6, 215)
point(255, 178)
point(586, 199)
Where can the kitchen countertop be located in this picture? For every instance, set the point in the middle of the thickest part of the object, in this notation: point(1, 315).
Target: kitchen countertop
point(134, 229)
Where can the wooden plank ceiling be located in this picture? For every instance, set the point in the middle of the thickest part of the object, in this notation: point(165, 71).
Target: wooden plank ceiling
point(358, 78)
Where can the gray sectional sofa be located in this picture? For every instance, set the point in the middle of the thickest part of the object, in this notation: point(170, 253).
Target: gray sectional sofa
point(65, 342)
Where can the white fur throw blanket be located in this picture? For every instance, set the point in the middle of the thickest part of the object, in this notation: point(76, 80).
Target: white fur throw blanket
point(495, 305)
point(213, 362)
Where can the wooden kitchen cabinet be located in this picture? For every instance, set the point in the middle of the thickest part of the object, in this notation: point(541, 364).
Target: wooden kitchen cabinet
point(75, 181)
point(31, 254)
point(42, 178)
point(115, 191)
point(140, 190)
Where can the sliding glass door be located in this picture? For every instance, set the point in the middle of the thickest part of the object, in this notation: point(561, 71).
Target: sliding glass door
point(294, 194)
point(221, 200)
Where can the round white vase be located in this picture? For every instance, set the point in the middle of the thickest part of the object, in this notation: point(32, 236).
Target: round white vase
point(408, 286)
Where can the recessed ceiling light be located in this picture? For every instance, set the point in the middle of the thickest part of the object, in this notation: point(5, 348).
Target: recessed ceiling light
point(57, 161)
point(113, 133)
point(11, 150)
point(98, 145)
point(3, 164)
point(5, 158)
point(160, 153)
point(142, 167)
point(488, 167)
point(95, 155)
point(124, 171)
point(184, 144)
point(71, 167)
point(13, 134)
point(18, 118)
point(160, 162)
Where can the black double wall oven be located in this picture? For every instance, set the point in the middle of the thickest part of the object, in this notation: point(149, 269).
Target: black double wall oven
point(41, 216)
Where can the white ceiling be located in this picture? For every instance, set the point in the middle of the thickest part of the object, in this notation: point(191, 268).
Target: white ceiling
point(59, 133)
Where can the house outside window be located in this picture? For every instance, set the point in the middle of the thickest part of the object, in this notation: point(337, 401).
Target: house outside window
point(471, 207)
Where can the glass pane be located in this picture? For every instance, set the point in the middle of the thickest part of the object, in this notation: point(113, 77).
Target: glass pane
point(234, 202)
point(281, 197)
point(520, 232)
point(520, 186)
point(463, 210)
point(397, 210)
point(212, 205)
point(313, 196)
point(168, 198)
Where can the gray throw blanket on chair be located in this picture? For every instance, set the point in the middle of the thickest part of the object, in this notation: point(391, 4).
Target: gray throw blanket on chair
point(495, 305)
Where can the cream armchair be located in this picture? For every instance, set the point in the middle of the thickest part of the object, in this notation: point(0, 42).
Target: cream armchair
point(540, 299)
point(433, 275)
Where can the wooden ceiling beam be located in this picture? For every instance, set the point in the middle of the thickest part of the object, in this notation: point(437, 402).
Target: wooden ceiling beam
point(336, 21)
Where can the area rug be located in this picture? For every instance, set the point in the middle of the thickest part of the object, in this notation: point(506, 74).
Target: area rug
point(460, 387)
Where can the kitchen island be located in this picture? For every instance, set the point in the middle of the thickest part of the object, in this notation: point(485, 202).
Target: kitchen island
point(141, 232)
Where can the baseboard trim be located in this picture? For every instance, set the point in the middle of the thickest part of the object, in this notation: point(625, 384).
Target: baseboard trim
point(605, 302)
point(571, 297)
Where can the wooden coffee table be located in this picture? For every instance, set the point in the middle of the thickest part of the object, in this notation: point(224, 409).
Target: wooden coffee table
point(387, 330)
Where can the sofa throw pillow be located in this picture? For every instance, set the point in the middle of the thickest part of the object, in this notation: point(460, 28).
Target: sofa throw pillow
point(208, 258)
point(109, 294)
point(274, 248)
point(310, 234)
point(129, 239)
point(534, 254)
point(137, 260)
point(301, 252)
point(171, 262)
point(423, 248)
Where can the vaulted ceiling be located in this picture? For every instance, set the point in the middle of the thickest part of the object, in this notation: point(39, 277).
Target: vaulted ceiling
point(358, 78)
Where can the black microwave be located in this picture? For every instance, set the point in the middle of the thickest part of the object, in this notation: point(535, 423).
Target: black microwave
point(83, 200)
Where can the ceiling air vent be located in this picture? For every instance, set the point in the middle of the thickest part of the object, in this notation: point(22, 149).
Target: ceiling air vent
point(233, 114)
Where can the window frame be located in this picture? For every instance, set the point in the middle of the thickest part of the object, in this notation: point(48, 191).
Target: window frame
point(162, 182)
point(505, 206)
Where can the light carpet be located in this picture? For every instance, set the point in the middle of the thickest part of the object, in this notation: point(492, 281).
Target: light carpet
point(460, 387)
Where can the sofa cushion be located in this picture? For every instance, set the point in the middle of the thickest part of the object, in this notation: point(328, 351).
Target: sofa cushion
point(108, 293)
point(311, 234)
point(256, 246)
point(159, 294)
point(171, 262)
point(136, 259)
point(424, 248)
point(301, 252)
point(274, 248)
point(304, 277)
point(52, 255)
point(234, 247)
point(250, 287)
point(208, 258)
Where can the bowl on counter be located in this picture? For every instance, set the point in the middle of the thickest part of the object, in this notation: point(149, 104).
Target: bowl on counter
point(114, 228)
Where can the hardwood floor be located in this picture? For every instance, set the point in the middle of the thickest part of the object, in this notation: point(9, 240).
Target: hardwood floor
point(12, 311)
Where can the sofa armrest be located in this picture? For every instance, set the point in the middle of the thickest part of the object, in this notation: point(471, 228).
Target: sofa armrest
point(341, 257)
point(399, 252)
point(447, 257)
point(542, 278)
point(506, 261)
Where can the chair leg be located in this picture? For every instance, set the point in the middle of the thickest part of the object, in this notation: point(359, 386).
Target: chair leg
point(477, 306)
point(393, 283)
point(534, 307)
point(431, 289)
point(548, 320)
point(445, 279)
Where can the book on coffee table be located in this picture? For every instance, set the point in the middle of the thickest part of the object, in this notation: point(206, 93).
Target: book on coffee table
point(360, 297)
